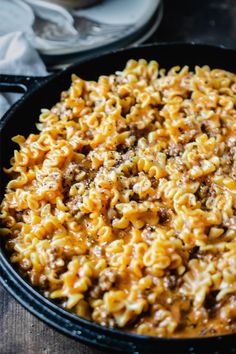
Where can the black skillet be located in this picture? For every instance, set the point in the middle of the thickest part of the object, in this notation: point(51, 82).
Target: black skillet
point(21, 119)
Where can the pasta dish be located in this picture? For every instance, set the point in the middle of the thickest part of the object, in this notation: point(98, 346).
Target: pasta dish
point(122, 208)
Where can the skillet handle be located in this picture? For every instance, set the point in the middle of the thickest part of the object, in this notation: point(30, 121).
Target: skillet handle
point(19, 84)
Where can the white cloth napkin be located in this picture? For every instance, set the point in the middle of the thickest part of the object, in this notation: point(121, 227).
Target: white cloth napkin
point(17, 57)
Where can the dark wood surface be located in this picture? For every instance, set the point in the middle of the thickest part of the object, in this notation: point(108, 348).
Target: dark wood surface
point(205, 21)
point(22, 333)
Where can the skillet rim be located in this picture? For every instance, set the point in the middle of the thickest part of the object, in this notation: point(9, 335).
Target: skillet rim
point(44, 80)
point(13, 275)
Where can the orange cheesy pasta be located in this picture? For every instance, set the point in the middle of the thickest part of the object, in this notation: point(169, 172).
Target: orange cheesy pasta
point(122, 207)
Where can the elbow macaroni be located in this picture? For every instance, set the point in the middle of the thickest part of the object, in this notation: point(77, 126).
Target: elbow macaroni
point(122, 207)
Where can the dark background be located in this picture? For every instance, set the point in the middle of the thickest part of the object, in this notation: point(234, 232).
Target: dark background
point(200, 21)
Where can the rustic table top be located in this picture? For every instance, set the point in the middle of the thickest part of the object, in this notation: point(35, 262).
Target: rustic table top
point(201, 21)
point(22, 333)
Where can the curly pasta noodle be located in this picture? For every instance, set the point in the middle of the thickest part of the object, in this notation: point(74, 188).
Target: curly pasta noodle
point(122, 208)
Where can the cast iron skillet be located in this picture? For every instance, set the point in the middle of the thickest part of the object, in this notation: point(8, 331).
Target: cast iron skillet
point(21, 118)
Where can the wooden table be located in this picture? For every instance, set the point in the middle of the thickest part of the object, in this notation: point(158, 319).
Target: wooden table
point(22, 333)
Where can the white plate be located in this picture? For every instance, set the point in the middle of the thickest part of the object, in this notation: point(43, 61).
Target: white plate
point(119, 20)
